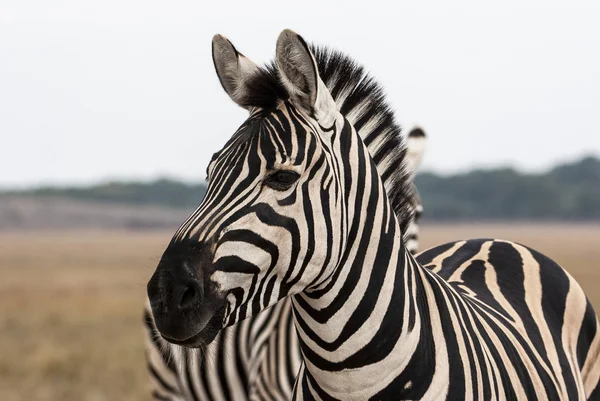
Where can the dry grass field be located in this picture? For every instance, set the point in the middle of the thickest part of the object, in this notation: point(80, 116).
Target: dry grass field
point(71, 302)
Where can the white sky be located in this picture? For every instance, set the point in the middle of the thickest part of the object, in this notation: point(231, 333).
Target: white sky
point(126, 88)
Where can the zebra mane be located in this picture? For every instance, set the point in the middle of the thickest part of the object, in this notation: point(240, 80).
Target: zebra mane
point(362, 101)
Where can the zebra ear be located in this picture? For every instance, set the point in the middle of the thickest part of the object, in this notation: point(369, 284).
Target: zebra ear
point(233, 69)
point(416, 142)
point(300, 76)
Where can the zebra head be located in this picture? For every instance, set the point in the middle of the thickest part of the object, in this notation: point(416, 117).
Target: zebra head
point(283, 198)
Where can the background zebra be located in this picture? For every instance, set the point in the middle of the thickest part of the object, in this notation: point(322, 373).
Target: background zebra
point(296, 206)
point(259, 358)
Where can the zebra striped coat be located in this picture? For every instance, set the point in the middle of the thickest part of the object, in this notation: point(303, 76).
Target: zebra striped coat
point(297, 207)
point(256, 359)
point(259, 358)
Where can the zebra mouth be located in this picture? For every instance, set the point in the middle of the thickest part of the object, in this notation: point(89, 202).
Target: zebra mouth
point(196, 341)
point(204, 336)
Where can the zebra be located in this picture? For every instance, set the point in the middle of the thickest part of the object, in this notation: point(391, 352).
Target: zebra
point(270, 363)
point(296, 207)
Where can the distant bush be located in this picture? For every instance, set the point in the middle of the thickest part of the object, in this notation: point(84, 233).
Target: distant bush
point(567, 192)
point(161, 192)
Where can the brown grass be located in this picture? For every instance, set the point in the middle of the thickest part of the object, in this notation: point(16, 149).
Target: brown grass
point(70, 314)
point(70, 303)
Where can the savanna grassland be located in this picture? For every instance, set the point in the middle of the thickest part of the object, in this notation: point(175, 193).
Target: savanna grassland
point(71, 302)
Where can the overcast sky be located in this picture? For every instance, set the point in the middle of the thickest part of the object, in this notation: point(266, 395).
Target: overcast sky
point(125, 89)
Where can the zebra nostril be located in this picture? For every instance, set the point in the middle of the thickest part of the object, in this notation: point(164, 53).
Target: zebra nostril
point(189, 298)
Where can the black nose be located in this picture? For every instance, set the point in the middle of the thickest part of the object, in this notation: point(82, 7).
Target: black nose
point(176, 296)
point(187, 294)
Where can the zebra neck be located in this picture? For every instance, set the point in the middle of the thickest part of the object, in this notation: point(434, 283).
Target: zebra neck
point(370, 315)
point(370, 325)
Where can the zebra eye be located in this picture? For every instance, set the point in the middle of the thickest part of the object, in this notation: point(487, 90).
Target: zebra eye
point(282, 179)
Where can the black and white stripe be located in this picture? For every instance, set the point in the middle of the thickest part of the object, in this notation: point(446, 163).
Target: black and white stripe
point(256, 359)
point(297, 207)
point(240, 366)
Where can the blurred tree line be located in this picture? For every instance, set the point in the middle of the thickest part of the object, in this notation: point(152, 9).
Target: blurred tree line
point(567, 192)
point(162, 192)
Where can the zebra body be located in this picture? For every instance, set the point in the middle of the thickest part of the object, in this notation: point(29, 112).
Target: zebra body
point(259, 358)
point(297, 206)
point(484, 326)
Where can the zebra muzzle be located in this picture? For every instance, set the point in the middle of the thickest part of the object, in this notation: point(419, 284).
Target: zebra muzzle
point(186, 308)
